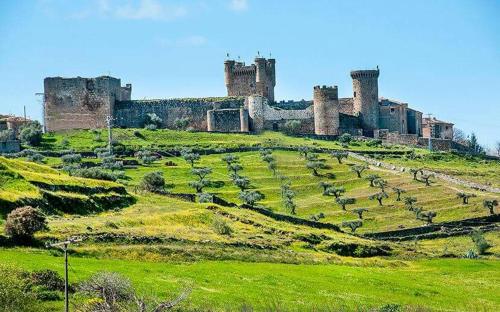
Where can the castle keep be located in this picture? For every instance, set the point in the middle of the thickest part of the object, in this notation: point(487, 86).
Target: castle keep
point(249, 106)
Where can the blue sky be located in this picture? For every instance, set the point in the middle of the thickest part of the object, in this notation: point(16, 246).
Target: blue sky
point(442, 57)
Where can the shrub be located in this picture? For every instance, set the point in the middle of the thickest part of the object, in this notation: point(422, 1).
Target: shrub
point(292, 127)
point(111, 288)
point(152, 121)
point(205, 198)
point(22, 223)
point(48, 279)
point(345, 138)
point(35, 157)
point(153, 182)
point(181, 123)
point(374, 142)
point(251, 197)
point(13, 294)
point(146, 156)
point(480, 242)
point(110, 162)
point(94, 173)
point(31, 133)
point(71, 159)
point(221, 227)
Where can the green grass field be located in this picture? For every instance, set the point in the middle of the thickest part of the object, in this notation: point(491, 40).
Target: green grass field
point(445, 285)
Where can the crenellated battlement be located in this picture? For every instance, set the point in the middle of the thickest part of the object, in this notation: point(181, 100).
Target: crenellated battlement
point(368, 73)
point(256, 79)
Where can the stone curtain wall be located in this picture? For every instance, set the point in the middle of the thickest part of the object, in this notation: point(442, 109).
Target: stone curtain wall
point(350, 124)
point(79, 103)
point(133, 114)
point(393, 118)
point(414, 121)
point(227, 120)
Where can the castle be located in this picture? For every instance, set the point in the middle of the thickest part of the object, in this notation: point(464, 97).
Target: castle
point(250, 106)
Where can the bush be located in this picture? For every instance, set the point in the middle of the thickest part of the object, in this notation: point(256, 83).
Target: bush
point(48, 279)
point(35, 157)
point(292, 127)
point(13, 294)
point(153, 182)
point(221, 227)
point(31, 133)
point(480, 242)
point(152, 121)
point(374, 142)
point(345, 138)
point(205, 198)
point(181, 123)
point(71, 159)
point(94, 173)
point(151, 127)
point(22, 223)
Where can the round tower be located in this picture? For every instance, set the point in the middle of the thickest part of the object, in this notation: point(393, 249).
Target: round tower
point(326, 110)
point(255, 105)
point(228, 72)
point(365, 96)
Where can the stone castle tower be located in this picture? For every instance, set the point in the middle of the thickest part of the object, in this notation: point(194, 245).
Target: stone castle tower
point(365, 98)
point(256, 79)
point(326, 110)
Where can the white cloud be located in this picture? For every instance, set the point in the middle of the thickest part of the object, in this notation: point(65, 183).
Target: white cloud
point(148, 9)
point(238, 5)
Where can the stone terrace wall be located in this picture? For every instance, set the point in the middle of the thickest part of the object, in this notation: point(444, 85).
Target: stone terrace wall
point(133, 114)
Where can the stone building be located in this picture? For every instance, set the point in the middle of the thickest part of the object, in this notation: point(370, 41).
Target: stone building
point(248, 107)
point(434, 128)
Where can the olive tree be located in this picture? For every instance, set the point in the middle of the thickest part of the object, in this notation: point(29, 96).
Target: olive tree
point(490, 204)
point(426, 178)
point(380, 183)
point(334, 191)
point(242, 183)
point(230, 159)
point(465, 197)
point(251, 197)
point(427, 216)
point(339, 155)
point(359, 169)
point(379, 197)
point(372, 178)
point(325, 186)
point(409, 201)
point(353, 225)
point(398, 191)
point(415, 172)
point(360, 211)
point(343, 201)
point(315, 165)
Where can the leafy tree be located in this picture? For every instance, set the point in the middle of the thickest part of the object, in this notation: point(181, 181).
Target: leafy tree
point(398, 191)
point(339, 155)
point(359, 169)
point(242, 183)
point(343, 201)
point(235, 167)
point(426, 216)
point(31, 133)
point(426, 178)
point(22, 223)
point(380, 183)
point(317, 217)
point(490, 204)
point(205, 198)
point(71, 159)
point(292, 127)
point(198, 185)
point(360, 211)
point(409, 201)
point(230, 159)
point(325, 186)
point(153, 182)
point(288, 201)
point(334, 191)
point(465, 197)
point(415, 172)
point(315, 165)
point(181, 123)
point(304, 151)
point(379, 197)
point(251, 197)
point(201, 173)
point(372, 178)
point(480, 242)
point(268, 158)
point(110, 162)
point(265, 151)
point(152, 121)
point(353, 225)
point(273, 166)
point(146, 156)
point(191, 158)
point(474, 146)
point(345, 138)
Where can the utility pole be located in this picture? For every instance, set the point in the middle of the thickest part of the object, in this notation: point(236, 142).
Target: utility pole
point(431, 130)
point(109, 121)
point(64, 246)
point(24, 107)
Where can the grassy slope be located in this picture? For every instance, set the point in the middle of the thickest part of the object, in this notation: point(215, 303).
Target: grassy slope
point(452, 285)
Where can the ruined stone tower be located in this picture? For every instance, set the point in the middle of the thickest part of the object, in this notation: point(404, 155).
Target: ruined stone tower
point(365, 98)
point(256, 79)
point(326, 110)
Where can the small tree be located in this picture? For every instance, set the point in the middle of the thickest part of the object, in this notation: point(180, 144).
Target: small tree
point(273, 166)
point(268, 158)
point(339, 155)
point(304, 151)
point(353, 225)
point(360, 211)
point(409, 201)
point(205, 198)
point(426, 216)
point(22, 223)
point(234, 168)
point(325, 186)
point(380, 183)
point(415, 172)
point(315, 165)
point(31, 133)
point(398, 191)
point(372, 178)
point(426, 178)
point(69, 159)
point(379, 197)
point(198, 185)
point(288, 201)
point(343, 201)
point(334, 191)
point(191, 158)
point(230, 159)
point(153, 182)
point(480, 242)
point(345, 138)
point(359, 169)
point(181, 123)
point(292, 127)
point(465, 197)
point(201, 173)
point(242, 183)
point(251, 197)
point(490, 204)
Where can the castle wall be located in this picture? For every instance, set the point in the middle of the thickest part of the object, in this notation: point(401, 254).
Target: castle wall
point(414, 122)
point(349, 124)
point(133, 114)
point(326, 110)
point(255, 79)
point(393, 117)
point(227, 120)
point(79, 103)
